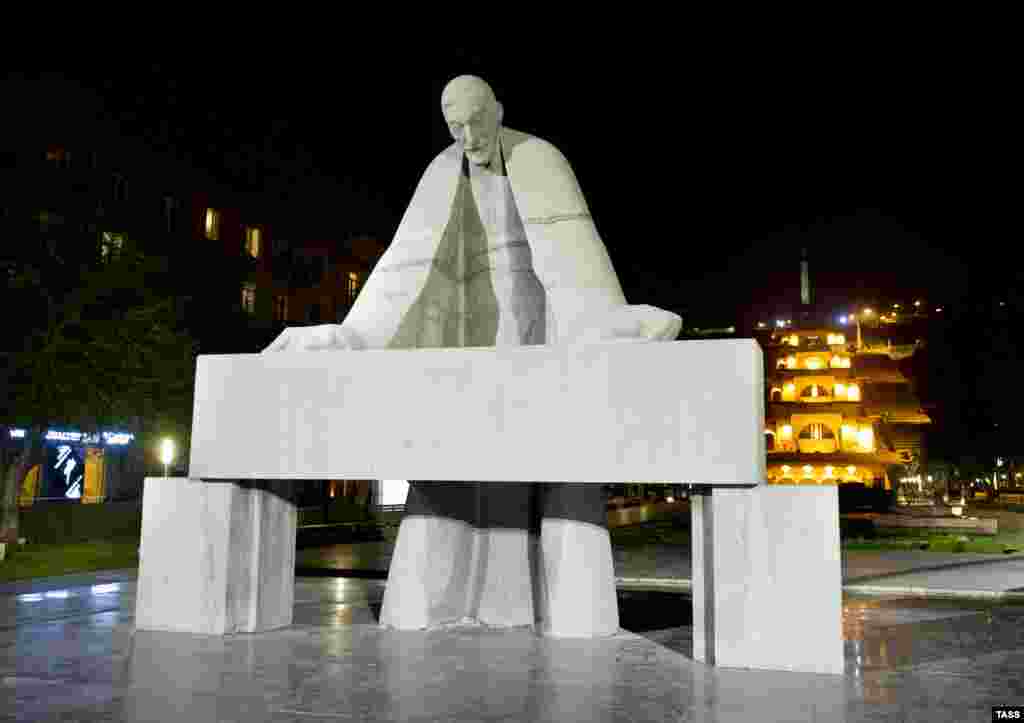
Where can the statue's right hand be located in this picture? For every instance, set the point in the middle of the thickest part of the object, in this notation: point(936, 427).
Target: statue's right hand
point(325, 337)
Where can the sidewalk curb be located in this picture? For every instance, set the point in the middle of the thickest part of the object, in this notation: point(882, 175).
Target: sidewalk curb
point(684, 585)
point(879, 590)
point(934, 568)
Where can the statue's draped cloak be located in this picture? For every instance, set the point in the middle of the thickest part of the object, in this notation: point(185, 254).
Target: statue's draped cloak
point(404, 304)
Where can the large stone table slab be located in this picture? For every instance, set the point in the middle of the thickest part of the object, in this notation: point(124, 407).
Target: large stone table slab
point(218, 548)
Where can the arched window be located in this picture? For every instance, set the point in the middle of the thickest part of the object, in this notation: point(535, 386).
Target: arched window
point(814, 391)
point(769, 441)
point(776, 394)
point(817, 430)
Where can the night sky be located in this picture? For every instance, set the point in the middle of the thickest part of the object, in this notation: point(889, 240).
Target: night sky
point(705, 177)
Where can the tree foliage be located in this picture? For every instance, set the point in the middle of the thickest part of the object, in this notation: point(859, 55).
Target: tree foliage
point(97, 343)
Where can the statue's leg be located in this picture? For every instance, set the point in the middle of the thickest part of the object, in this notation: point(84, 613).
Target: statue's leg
point(431, 580)
point(576, 555)
point(507, 533)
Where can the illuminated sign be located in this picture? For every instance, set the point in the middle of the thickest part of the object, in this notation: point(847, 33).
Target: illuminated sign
point(117, 437)
point(54, 435)
point(71, 469)
point(59, 435)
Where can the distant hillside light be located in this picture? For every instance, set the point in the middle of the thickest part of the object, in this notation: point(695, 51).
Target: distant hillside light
point(917, 303)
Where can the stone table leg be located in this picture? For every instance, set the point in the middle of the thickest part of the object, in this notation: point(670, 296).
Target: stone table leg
point(216, 557)
point(767, 580)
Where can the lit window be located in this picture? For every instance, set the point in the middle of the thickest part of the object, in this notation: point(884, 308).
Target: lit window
point(789, 392)
point(794, 340)
point(111, 245)
point(212, 224)
point(813, 363)
point(353, 285)
point(853, 393)
point(791, 362)
point(839, 390)
point(786, 431)
point(252, 241)
point(249, 298)
point(866, 438)
point(786, 469)
point(830, 471)
point(808, 471)
point(281, 308)
point(851, 470)
point(817, 430)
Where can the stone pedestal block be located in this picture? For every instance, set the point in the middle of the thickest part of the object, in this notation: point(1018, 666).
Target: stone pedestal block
point(216, 557)
point(767, 579)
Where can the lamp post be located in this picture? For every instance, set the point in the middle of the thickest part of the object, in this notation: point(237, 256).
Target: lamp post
point(860, 342)
point(167, 453)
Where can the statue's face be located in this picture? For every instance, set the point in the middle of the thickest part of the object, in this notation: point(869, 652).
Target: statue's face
point(473, 120)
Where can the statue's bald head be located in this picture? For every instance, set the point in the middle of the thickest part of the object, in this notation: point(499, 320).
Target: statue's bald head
point(473, 115)
point(467, 88)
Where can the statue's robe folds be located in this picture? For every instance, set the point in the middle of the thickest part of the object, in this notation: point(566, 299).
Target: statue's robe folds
point(495, 259)
point(568, 256)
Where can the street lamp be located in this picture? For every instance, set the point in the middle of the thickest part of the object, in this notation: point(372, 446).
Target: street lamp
point(856, 317)
point(167, 453)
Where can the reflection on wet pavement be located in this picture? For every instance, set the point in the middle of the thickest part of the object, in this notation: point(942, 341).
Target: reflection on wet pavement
point(72, 654)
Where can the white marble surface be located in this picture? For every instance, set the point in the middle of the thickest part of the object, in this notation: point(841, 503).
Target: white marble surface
point(578, 592)
point(215, 558)
point(445, 571)
point(667, 411)
point(775, 596)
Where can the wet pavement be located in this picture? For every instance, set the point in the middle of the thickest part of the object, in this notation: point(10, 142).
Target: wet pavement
point(69, 652)
point(909, 572)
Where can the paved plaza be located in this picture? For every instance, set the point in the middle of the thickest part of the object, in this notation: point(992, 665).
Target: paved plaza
point(70, 653)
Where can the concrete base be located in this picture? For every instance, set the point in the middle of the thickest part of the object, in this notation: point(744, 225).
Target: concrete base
point(216, 557)
point(767, 579)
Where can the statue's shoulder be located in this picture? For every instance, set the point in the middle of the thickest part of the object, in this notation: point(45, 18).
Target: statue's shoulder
point(543, 181)
point(529, 149)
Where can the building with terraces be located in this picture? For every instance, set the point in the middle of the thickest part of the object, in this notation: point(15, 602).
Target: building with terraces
point(835, 415)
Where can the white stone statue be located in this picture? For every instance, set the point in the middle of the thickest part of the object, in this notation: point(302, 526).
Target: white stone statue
point(496, 248)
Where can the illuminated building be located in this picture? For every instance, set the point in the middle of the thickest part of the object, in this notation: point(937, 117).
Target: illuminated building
point(835, 413)
point(90, 192)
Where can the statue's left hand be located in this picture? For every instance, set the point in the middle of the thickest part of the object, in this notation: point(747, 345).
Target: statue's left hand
point(633, 322)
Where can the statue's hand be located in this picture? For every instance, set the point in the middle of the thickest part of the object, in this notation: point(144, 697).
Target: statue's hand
point(634, 322)
point(326, 337)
